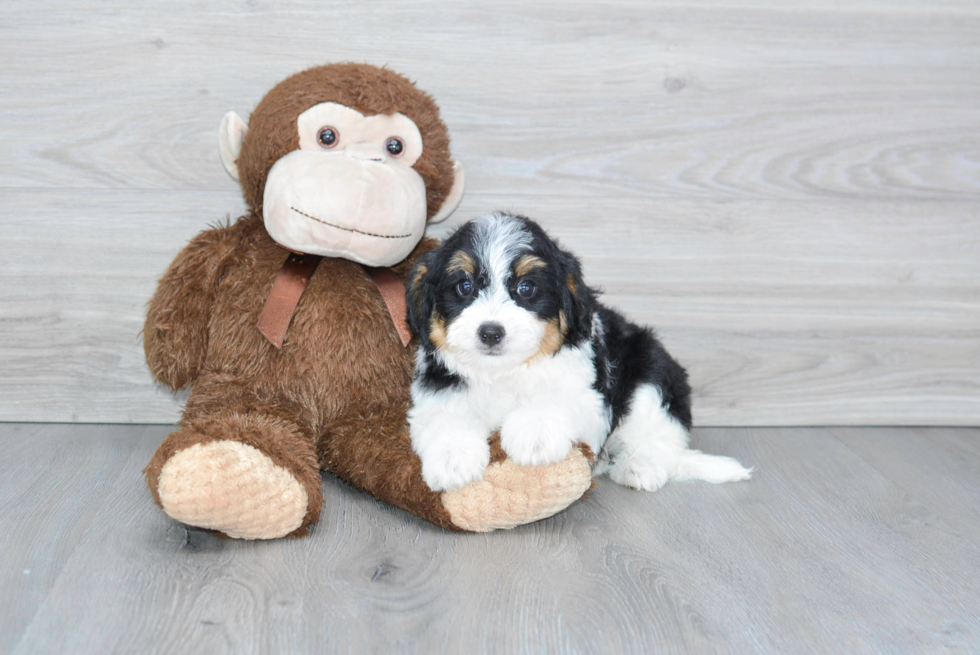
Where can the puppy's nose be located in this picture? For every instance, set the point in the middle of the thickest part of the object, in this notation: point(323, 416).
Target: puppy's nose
point(491, 333)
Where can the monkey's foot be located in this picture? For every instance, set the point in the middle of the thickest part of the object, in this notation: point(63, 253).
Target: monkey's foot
point(510, 495)
point(232, 487)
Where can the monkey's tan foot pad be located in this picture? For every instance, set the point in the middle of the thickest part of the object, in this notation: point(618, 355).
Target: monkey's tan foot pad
point(510, 495)
point(232, 487)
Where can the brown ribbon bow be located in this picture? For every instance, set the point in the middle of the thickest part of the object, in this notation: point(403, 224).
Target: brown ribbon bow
point(291, 281)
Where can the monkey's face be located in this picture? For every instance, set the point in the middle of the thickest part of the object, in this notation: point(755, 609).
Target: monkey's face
point(349, 190)
point(345, 160)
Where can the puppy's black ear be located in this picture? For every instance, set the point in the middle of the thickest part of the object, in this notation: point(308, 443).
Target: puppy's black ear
point(577, 300)
point(420, 296)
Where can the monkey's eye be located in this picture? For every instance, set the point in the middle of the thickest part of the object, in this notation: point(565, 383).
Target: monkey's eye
point(328, 137)
point(526, 288)
point(464, 288)
point(395, 146)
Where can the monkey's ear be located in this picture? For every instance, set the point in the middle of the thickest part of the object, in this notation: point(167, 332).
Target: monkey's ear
point(230, 137)
point(451, 202)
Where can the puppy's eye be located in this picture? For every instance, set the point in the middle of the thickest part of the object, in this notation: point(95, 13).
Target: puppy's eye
point(464, 288)
point(327, 137)
point(526, 289)
point(395, 146)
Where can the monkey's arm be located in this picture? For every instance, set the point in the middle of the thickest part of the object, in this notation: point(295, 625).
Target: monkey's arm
point(175, 336)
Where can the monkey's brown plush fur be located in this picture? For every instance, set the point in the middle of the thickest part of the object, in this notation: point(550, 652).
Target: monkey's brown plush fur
point(261, 423)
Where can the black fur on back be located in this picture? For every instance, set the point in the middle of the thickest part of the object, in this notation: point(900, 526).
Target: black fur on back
point(627, 355)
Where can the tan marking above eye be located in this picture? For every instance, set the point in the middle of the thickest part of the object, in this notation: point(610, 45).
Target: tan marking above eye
point(460, 261)
point(570, 282)
point(528, 263)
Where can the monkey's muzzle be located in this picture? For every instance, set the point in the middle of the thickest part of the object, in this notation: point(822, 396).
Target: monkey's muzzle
point(360, 206)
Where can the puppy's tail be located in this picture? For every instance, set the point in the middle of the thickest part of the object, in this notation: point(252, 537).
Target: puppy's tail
point(693, 464)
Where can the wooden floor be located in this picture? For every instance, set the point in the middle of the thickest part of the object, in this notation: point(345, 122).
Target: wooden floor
point(846, 540)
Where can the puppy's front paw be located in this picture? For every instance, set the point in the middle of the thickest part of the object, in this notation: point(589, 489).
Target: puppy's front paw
point(453, 465)
point(533, 437)
point(453, 453)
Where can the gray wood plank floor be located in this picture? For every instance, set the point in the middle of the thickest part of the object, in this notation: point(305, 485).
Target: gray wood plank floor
point(847, 540)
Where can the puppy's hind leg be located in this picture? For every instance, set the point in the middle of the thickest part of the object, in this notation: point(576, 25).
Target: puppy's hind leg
point(650, 447)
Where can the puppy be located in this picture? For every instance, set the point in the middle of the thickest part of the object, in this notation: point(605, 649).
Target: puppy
point(512, 339)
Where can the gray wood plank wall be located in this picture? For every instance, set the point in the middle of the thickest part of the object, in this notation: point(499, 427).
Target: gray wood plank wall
point(789, 191)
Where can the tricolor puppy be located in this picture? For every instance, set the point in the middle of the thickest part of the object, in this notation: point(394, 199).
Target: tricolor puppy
point(511, 339)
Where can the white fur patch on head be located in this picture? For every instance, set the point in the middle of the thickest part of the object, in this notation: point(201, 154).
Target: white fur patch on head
point(499, 239)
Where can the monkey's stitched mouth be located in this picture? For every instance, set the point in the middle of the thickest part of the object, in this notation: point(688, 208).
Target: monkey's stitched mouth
point(350, 229)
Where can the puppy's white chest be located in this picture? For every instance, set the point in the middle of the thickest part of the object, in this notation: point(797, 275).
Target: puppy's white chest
point(565, 378)
point(494, 401)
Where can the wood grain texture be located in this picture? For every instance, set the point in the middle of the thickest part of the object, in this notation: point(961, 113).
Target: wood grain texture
point(776, 324)
point(846, 540)
point(52, 482)
point(792, 194)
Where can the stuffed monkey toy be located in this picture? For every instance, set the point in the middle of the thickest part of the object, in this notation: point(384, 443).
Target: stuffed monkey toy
point(289, 324)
